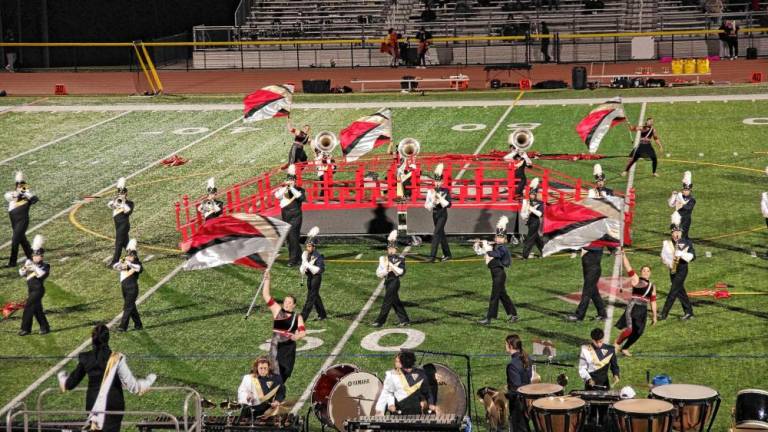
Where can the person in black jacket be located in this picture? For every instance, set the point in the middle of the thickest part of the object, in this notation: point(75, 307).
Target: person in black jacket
point(497, 258)
point(683, 203)
point(36, 272)
point(313, 267)
point(291, 196)
point(129, 269)
point(108, 374)
point(518, 374)
point(121, 213)
point(438, 201)
point(391, 268)
point(301, 138)
point(533, 212)
point(676, 254)
point(591, 268)
point(19, 201)
point(211, 207)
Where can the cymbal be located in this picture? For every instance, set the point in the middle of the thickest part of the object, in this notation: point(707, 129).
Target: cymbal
point(282, 409)
point(205, 403)
point(229, 405)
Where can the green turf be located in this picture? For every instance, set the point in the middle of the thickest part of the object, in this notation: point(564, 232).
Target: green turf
point(195, 335)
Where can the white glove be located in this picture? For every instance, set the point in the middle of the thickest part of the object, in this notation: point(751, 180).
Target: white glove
point(62, 376)
point(678, 253)
point(151, 378)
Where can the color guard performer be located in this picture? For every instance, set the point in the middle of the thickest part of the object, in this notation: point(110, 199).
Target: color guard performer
point(108, 374)
point(676, 254)
point(532, 212)
point(391, 269)
point(683, 203)
point(519, 371)
point(645, 148)
point(291, 196)
point(19, 201)
point(300, 139)
point(121, 213)
point(313, 267)
point(35, 271)
point(211, 207)
point(591, 268)
point(260, 390)
point(595, 360)
point(632, 322)
point(406, 389)
point(438, 201)
point(130, 267)
point(599, 191)
point(287, 328)
point(497, 258)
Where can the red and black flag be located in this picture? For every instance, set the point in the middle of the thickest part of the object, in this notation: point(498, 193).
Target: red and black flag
point(574, 225)
point(271, 101)
point(593, 128)
point(247, 239)
point(365, 134)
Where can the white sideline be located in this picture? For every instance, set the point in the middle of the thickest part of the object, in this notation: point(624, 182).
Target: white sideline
point(57, 140)
point(618, 263)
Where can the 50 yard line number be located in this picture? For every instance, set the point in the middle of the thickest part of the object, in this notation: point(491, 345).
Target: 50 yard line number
point(473, 127)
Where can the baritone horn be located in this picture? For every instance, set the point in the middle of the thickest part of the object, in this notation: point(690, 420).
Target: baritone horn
point(408, 147)
point(521, 139)
point(325, 142)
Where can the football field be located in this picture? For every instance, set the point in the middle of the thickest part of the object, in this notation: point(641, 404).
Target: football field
point(73, 150)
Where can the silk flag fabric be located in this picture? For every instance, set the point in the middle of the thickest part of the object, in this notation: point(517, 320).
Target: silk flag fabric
point(365, 134)
point(250, 240)
point(589, 222)
point(593, 128)
point(271, 101)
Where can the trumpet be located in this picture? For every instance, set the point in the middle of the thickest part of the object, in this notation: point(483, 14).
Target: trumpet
point(27, 268)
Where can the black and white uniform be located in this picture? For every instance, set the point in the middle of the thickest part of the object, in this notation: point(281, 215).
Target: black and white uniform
point(282, 348)
point(211, 210)
point(36, 274)
point(297, 153)
point(129, 283)
point(313, 266)
point(598, 193)
point(764, 207)
point(498, 259)
point(517, 376)
point(405, 390)
point(392, 288)
point(535, 213)
point(121, 213)
point(520, 165)
point(18, 211)
point(438, 201)
point(684, 206)
point(257, 392)
point(594, 364)
point(644, 149)
point(683, 250)
point(632, 322)
point(405, 172)
point(290, 211)
point(591, 268)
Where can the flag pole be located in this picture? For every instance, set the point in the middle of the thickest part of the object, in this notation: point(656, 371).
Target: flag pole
point(280, 242)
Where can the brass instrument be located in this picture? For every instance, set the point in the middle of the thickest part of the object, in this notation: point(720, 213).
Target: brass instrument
point(521, 139)
point(325, 142)
point(408, 147)
point(119, 201)
point(27, 268)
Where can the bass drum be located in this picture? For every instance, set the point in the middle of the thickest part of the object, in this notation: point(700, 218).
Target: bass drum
point(451, 396)
point(353, 396)
point(751, 411)
point(321, 393)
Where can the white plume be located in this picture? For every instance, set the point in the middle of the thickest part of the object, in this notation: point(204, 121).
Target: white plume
point(439, 170)
point(502, 223)
point(597, 170)
point(313, 232)
point(131, 245)
point(687, 178)
point(211, 183)
point(38, 242)
point(534, 183)
point(676, 218)
point(121, 183)
point(392, 236)
point(291, 169)
point(20, 176)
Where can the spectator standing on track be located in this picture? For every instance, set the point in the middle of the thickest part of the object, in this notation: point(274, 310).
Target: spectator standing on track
point(544, 31)
point(731, 32)
point(10, 52)
point(425, 39)
point(391, 46)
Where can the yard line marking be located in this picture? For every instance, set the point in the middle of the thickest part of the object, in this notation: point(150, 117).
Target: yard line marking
point(617, 263)
point(83, 346)
point(342, 342)
point(58, 140)
point(128, 177)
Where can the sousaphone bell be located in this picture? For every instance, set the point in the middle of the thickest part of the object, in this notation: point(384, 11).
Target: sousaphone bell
point(408, 147)
point(521, 139)
point(325, 142)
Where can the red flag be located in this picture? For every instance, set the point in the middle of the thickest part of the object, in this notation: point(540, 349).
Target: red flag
point(246, 239)
point(271, 101)
point(571, 225)
point(365, 134)
point(593, 128)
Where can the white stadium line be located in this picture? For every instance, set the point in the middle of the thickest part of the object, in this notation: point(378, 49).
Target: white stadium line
point(489, 136)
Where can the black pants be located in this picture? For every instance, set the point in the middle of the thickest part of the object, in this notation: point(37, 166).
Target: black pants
point(634, 318)
point(733, 46)
point(533, 237)
point(313, 298)
point(294, 237)
point(286, 358)
point(545, 45)
point(112, 423)
point(122, 235)
point(297, 154)
point(521, 182)
point(644, 150)
point(19, 239)
point(130, 311)
point(440, 218)
point(518, 418)
point(499, 293)
point(34, 308)
point(591, 271)
point(392, 300)
point(685, 226)
point(678, 291)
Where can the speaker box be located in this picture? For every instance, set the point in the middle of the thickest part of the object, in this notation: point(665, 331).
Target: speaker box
point(752, 53)
point(579, 78)
point(316, 86)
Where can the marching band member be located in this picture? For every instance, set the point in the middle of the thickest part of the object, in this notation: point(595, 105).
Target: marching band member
point(591, 268)
point(406, 389)
point(518, 374)
point(764, 207)
point(130, 268)
point(291, 196)
point(108, 374)
point(520, 161)
point(599, 191)
point(404, 173)
point(19, 201)
point(211, 207)
point(497, 258)
point(324, 162)
point(287, 328)
point(632, 322)
point(300, 139)
point(438, 201)
point(532, 212)
point(391, 268)
point(595, 359)
point(35, 271)
point(676, 254)
point(260, 390)
point(313, 266)
point(645, 148)
point(683, 203)
point(121, 213)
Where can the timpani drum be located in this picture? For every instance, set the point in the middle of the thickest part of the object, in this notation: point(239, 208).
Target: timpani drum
point(558, 414)
point(531, 392)
point(321, 393)
point(751, 411)
point(643, 415)
point(695, 405)
point(451, 395)
point(354, 395)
